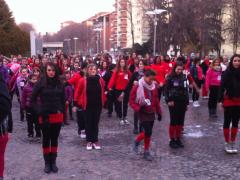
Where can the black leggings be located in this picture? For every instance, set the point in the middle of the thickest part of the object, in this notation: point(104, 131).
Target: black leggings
point(81, 119)
point(50, 136)
point(147, 127)
point(195, 94)
point(177, 113)
point(231, 115)
point(110, 102)
point(92, 124)
point(213, 97)
point(32, 119)
point(121, 106)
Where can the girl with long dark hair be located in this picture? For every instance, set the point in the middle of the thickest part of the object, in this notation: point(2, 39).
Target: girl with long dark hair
point(51, 92)
point(230, 97)
point(177, 99)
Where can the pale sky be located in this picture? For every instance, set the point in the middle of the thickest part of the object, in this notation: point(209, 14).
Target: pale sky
point(47, 15)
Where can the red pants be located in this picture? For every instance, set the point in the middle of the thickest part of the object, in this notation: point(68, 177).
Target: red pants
point(3, 144)
point(204, 91)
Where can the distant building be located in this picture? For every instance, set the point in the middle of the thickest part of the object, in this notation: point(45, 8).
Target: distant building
point(101, 25)
point(51, 47)
point(130, 15)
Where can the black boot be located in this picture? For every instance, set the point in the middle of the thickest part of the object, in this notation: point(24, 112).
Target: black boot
point(173, 144)
point(135, 146)
point(47, 168)
point(53, 162)
point(179, 143)
point(147, 156)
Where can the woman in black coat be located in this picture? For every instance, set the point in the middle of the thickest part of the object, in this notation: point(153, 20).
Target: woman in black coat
point(51, 93)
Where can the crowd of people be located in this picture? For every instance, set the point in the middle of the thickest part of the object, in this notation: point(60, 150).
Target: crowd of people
point(51, 89)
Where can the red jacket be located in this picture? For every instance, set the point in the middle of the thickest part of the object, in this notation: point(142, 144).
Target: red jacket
point(80, 94)
point(155, 103)
point(74, 80)
point(119, 80)
point(160, 77)
point(168, 67)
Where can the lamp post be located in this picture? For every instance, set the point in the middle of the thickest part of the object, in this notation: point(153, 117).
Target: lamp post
point(75, 45)
point(68, 45)
point(155, 12)
point(98, 30)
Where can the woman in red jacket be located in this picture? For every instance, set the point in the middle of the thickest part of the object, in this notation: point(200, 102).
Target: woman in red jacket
point(90, 96)
point(160, 74)
point(230, 97)
point(144, 100)
point(118, 84)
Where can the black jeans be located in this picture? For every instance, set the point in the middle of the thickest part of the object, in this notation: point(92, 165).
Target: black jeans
point(81, 119)
point(147, 127)
point(121, 106)
point(195, 94)
point(231, 115)
point(32, 120)
point(213, 97)
point(92, 123)
point(177, 113)
point(50, 136)
point(110, 102)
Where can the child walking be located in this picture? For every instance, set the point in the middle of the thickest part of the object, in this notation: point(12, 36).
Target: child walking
point(144, 100)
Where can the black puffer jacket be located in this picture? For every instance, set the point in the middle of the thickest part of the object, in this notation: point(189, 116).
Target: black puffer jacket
point(52, 97)
point(176, 89)
point(5, 108)
point(230, 84)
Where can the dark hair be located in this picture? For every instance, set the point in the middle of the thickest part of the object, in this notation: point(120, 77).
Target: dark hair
point(196, 60)
point(144, 62)
point(118, 67)
point(45, 78)
point(230, 66)
point(149, 72)
point(156, 58)
point(31, 76)
point(179, 63)
point(181, 59)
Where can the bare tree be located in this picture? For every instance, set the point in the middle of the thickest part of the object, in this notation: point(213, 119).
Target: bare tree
point(26, 27)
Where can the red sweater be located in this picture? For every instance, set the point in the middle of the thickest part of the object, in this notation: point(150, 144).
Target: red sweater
point(119, 80)
point(227, 102)
point(155, 103)
point(80, 95)
point(160, 71)
point(75, 79)
point(168, 67)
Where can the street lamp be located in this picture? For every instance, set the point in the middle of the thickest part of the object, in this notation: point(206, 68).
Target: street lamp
point(98, 30)
point(75, 44)
point(68, 45)
point(155, 12)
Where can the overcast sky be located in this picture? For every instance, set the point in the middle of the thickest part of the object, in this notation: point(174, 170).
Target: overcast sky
point(47, 15)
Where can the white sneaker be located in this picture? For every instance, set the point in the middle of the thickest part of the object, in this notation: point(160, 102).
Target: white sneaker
point(83, 135)
point(190, 100)
point(234, 147)
point(96, 146)
point(205, 97)
point(196, 104)
point(228, 148)
point(89, 146)
point(122, 122)
point(126, 122)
